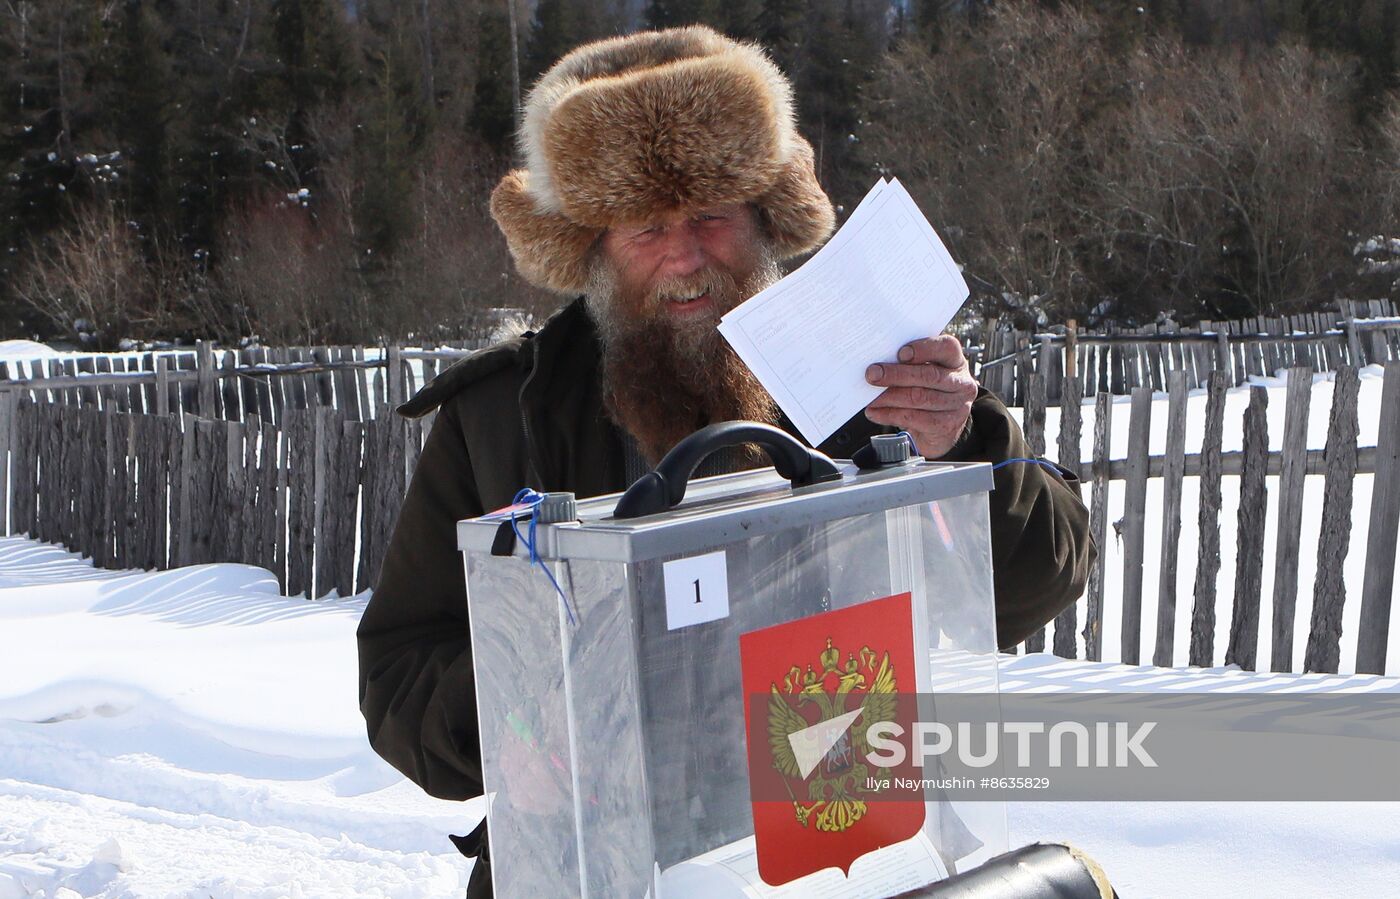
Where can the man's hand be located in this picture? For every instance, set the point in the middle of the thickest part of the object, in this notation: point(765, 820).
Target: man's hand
point(929, 393)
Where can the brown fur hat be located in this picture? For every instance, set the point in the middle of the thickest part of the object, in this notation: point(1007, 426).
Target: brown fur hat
point(626, 129)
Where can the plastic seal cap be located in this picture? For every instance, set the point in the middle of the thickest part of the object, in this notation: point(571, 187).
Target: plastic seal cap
point(890, 449)
point(556, 508)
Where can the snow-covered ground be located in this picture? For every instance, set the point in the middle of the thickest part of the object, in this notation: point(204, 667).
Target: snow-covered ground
point(24, 350)
point(193, 734)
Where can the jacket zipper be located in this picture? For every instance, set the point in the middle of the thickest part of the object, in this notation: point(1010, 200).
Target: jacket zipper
point(532, 466)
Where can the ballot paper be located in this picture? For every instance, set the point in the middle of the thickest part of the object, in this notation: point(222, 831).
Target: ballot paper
point(883, 279)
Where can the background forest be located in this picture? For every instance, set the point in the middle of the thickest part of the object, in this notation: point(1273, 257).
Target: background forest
point(318, 170)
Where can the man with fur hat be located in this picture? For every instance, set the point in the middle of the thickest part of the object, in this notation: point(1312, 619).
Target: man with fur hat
point(665, 183)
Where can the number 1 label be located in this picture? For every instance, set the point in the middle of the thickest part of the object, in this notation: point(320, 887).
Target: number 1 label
point(697, 589)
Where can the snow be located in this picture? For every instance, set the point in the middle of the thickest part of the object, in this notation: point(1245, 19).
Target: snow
point(193, 733)
point(25, 349)
point(1237, 848)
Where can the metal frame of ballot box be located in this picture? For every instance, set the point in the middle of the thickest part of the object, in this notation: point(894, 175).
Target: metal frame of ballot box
point(612, 719)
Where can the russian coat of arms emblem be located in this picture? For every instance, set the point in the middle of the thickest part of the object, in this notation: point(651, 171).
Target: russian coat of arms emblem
point(860, 689)
point(814, 687)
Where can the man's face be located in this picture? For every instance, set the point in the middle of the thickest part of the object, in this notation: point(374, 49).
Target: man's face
point(657, 292)
point(668, 268)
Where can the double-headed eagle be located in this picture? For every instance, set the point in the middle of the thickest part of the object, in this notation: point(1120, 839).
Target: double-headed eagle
point(836, 784)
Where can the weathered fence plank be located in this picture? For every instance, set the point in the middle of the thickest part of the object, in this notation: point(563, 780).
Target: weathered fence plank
point(347, 392)
point(372, 476)
point(1068, 452)
point(301, 500)
point(1329, 590)
point(209, 475)
point(1249, 559)
point(1382, 533)
point(207, 384)
point(1034, 428)
point(1208, 524)
point(282, 498)
point(324, 381)
point(1098, 527)
point(362, 385)
point(325, 424)
point(185, 531)
point(349, 474)
point(111, 477)
point(1171, 518)
point(231, 407)
point(1290, 516)
point(1134, 515)
point(8, 402)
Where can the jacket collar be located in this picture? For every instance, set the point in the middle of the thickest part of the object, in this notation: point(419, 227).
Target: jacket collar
point(572, 444)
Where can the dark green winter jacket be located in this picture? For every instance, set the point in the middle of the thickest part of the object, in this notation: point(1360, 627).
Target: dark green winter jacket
point(529, 413)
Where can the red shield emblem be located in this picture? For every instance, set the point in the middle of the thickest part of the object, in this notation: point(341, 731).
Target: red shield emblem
point(813, 688)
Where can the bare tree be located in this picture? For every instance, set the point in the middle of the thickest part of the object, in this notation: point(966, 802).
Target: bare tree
point(455, 271)
point(89, 279)
point(291, 278)
point(1080, 176)
point(1238, 174)
point(994, 134)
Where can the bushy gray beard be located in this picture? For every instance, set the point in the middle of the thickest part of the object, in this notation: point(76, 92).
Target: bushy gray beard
point(663, 378)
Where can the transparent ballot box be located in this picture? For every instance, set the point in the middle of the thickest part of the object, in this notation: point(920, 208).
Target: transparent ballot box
point(637, 656)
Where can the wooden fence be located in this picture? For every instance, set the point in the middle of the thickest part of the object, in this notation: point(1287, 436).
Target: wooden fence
point(289, 460)
point(1337, 465)
point(312, 500)
point(232, 384)
point(1358, 333)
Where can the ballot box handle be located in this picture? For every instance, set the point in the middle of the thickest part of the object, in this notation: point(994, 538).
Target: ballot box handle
point(663, 488)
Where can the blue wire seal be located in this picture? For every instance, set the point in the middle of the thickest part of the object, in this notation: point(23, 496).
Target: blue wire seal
point(1005, 462)
point(530, 499)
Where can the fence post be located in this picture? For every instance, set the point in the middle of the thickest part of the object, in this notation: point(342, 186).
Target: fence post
point(324, 431)
point(349, 476)
point(1034, 418)
point(185, 531)
point(396, 384)
point(1329, 590)
point(1208, 525)
point(1071, 357)
point(1134, 516)
point(1173, 474)
point(204, 368)
point(1373, 631)
point(1292, 473)
point(1353, 339)
point(323, 380)
point(162, 386)
point(1046, 366)
point(8, 403)
point(232, 397)
point(1098, 526)
point(1249, 564)
point(1069, 453)
point(1223, 359)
